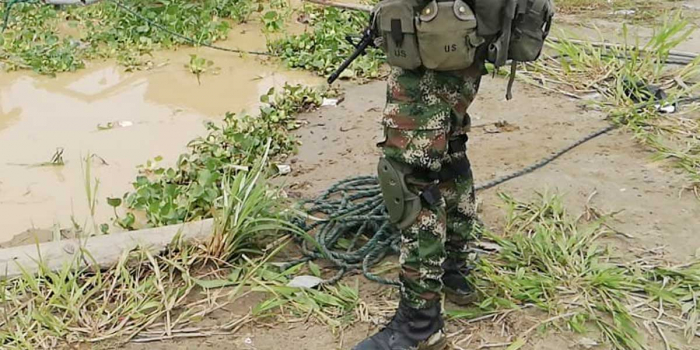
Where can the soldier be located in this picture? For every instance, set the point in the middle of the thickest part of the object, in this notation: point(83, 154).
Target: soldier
point(438, 56)
point(425, 124)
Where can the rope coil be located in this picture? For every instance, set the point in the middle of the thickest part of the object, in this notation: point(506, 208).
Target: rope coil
point(355, 232)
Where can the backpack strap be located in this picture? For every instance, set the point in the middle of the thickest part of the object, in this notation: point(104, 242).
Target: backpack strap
point(498, 50)
point(511, 80)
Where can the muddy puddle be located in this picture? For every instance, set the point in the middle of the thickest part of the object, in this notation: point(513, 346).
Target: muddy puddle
point(122, 118)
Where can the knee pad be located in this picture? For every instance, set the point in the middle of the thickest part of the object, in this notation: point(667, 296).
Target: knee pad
point(403, 205)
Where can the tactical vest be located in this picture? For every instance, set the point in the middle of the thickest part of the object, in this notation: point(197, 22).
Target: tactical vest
point(444, 35)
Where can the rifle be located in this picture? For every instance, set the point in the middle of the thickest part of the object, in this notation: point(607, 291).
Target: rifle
point(360, 49)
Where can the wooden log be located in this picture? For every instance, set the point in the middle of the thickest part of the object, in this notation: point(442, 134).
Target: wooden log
point(102, 251)
point(71, 2)
point(342, 5)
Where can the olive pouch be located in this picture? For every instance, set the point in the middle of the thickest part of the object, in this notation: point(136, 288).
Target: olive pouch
point(447, 37)
point(530, 29)
point(396, 28)
point(489, 16)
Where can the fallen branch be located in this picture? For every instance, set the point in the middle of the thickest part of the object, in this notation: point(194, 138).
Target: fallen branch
point(342, 5)
point(71, 2)
point(102, 251)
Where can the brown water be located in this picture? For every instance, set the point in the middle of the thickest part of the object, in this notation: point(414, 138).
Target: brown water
point(159, 111)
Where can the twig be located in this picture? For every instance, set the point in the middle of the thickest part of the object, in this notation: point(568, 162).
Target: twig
point(549, 320)
point(663, 336)
point(178, 335)
point(342, 5)
point(553, 90)
point(494, 345)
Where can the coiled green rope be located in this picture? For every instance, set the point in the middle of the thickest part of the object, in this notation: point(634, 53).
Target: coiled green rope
point(355, 232)
point(351, 225)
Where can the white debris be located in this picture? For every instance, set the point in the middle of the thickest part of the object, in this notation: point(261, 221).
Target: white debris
point(113, 125)
point(284, 169)
point(331, 102)
point(668, 108)
point(304, 282)
point(623, 12)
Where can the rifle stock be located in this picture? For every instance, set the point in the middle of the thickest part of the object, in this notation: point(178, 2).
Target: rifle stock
point(360, 49)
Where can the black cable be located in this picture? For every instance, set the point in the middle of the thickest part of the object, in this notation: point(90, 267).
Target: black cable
point(543, 162)
point(133, 12)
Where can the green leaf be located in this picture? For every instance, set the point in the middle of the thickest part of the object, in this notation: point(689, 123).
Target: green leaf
point(315, 269)
point(114, 202)
point(517, 344)
point(211, 284)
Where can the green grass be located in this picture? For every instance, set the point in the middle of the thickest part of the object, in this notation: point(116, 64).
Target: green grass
point(189, 190)
point(51, 40)
point(557, 263)
point(223, 176)
point(610, 75)
point(142, 290)
point(324, 48)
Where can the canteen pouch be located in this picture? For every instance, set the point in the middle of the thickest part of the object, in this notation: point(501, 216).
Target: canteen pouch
point(447, 35)
point(530, 28)
point(395, 21)
point(489, 16)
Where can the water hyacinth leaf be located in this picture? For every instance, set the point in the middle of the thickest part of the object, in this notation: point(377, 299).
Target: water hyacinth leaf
point(114, 202)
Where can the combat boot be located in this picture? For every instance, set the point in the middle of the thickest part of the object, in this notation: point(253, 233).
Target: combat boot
point(456, 286)
point(410, 329)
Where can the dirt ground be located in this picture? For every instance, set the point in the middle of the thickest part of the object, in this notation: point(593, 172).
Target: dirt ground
point(613, 171)
point(339, 142)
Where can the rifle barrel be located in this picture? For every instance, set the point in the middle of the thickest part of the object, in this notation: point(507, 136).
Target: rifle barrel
point(358, 51)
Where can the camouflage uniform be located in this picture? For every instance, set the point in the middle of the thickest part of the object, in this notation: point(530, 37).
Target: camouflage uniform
point(426, 113)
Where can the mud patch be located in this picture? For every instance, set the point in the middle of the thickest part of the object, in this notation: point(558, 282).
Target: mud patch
point(122, 118)
point(339, 142)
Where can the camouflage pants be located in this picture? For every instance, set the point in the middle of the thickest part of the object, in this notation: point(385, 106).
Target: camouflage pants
point(425, 121)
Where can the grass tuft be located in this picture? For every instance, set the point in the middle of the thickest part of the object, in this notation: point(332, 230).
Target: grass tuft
point(615, 80)
point(555, 262)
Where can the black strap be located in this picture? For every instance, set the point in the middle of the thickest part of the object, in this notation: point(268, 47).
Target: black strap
point(457, 144)
point(511, 80)
point(431, 195)
point(396, 31)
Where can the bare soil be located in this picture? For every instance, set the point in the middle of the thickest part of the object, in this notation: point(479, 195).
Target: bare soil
point(611, 173)
point(339, 142)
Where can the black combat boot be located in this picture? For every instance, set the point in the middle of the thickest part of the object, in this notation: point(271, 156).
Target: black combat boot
point(410, 329)
point(456, 287)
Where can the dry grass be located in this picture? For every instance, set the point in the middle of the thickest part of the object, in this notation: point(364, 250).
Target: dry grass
point(552, 261)
point(609, 78)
